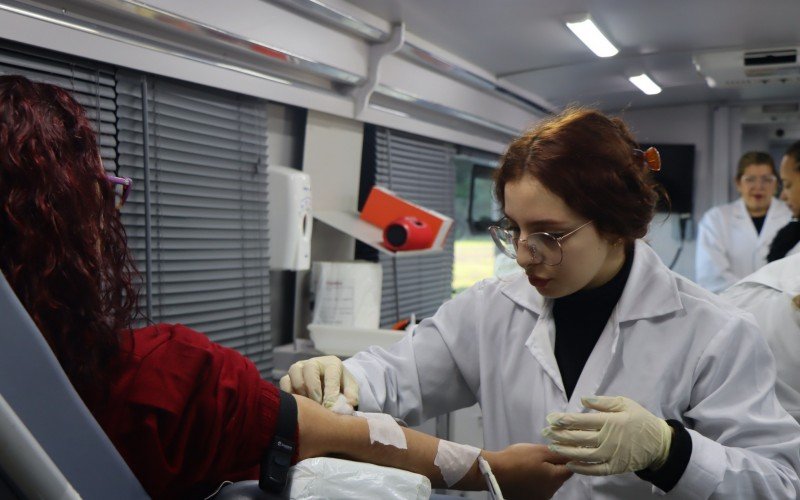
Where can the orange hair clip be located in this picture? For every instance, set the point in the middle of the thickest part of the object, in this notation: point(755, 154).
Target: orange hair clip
point(651, 158)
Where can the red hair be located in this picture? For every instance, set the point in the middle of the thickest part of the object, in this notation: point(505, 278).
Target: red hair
point(62, 245)
point(588, 160)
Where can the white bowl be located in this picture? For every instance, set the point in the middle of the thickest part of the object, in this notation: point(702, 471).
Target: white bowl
point(348, 340)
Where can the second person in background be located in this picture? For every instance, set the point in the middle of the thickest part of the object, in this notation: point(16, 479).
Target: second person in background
point(599, 348)
point(772, 295)
point(733, 239)
point(787, 240)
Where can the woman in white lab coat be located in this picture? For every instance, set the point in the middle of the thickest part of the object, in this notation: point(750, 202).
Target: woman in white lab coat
point(787, 241)
point(733, 239)
point(627, 366)
point(772, 294)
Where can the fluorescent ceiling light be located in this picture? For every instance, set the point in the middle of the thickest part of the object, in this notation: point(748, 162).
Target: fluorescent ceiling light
point(645, 84)
point(585, 29)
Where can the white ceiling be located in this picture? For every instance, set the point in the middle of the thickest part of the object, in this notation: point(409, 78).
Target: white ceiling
point(527, 43)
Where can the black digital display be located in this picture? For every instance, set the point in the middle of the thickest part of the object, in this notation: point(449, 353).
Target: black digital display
point(676, 176)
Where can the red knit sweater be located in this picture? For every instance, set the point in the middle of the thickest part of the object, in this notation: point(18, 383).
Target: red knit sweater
point(187, 414)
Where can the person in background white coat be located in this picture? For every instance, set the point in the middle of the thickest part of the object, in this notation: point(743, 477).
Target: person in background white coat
point(600, 349)
point(772, 295)
point(733, 239)
point(787, 241)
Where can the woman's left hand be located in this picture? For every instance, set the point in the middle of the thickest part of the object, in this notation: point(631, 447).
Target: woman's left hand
point(529, 471)
point(620, 437)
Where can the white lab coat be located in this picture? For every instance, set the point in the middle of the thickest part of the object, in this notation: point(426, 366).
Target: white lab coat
point(768, 294)
point(728, 246)
point(680, 351)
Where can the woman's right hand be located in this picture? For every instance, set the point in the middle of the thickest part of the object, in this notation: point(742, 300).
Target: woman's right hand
point(321, 379)
point(528, 470)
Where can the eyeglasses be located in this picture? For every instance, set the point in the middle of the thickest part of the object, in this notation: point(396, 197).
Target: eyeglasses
point(122, 188)
point(751, 180)
point(544, 248)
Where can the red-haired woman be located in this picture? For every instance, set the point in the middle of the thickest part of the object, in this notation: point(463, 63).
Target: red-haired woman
point(626, 366)
point(185, 413)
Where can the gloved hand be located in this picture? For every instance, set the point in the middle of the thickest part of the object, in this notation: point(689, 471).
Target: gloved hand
point(307, 378)
point(622, 437)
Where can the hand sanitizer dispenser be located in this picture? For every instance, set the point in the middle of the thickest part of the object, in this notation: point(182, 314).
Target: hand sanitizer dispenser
point(290, 219)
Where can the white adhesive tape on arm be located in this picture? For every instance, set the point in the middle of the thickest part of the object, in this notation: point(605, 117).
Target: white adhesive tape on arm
point(383, 429)
point(454, 460)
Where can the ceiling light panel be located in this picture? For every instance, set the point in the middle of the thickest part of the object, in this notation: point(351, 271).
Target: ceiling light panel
point(645, 84)
point(585, 29)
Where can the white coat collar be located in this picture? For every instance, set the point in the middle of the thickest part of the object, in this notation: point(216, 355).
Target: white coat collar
point(651, 289)
point(774, 213)
point(782, 275)
point(740, 209)
point(774, 210)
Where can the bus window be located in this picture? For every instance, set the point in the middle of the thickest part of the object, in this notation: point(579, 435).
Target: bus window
point(476, 210)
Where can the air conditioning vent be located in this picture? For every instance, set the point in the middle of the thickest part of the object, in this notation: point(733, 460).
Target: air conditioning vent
point(753, 68)
point(770, 58)
point(761, 63)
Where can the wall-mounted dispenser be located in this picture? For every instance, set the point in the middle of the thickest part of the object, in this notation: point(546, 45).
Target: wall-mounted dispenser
point(290, 219)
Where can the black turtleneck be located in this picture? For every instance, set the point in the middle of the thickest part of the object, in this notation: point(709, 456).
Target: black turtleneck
point(580, 319)
point(759, 222)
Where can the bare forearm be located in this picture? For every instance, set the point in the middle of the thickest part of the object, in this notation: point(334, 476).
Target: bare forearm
point(323, 433)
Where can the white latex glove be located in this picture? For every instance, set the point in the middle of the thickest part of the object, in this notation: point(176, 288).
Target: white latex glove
point(307, 378)
point(621, 437)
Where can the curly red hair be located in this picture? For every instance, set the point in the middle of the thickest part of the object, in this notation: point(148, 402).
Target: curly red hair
point(62, 245)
